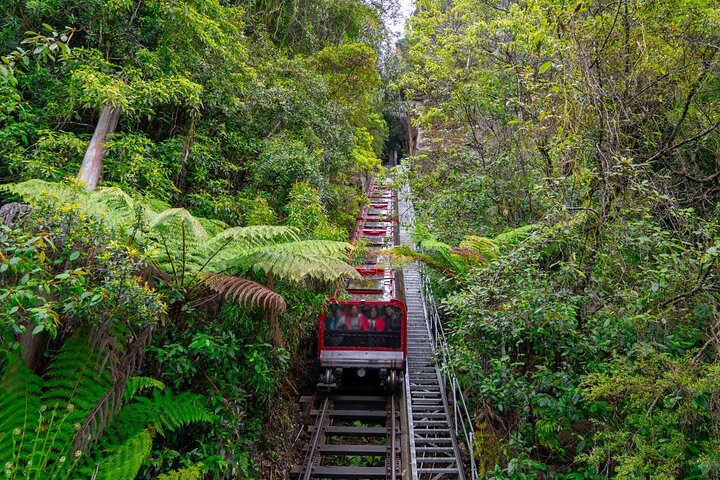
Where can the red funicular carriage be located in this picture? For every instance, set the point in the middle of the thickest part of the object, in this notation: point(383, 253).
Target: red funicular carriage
point(363, 328)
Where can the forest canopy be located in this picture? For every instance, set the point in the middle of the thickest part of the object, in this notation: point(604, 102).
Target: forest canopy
point(179, 180)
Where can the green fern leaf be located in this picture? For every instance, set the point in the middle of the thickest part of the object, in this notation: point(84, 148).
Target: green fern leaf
point(74, 383)
point(125, 461)
point(515, 236)
point(299, 266)
point(137, 384)
point(181, 241)
point(483, 246)
point(19, 409)
point(225, 247)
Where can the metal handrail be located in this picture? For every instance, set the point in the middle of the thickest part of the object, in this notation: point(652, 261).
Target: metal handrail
point(462, 421)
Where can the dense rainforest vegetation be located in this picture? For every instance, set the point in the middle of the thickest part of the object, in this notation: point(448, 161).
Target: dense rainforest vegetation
point(583, 138)
point(180, 178)
point(152, 309)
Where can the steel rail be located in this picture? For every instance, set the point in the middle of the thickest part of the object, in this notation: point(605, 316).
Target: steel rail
point(392, 433)
point(346, 409)
point(319, 432)
point(462, 420)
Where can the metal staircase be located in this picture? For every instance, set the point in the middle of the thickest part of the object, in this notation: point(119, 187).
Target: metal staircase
point(437, 417)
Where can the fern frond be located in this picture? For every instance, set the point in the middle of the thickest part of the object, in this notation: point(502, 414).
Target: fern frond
point(124, 462)
point(19, 409)
point(232, 243)
point(174, 412)
point(74, 383)
point(329, 248)
point(212, 226)
point(161, 411)
point(515, 236)
point(111, 205)
point(432, 245)
point(116, 208)
point(465, 257)
point(36, 191)
point(405, 254)
point(299, 266)
point(137, 384)
point(483, 246)
point(241, 290)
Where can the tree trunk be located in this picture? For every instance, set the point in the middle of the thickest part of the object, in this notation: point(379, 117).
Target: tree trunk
point(187, 145)
point(92, 163)
point(32, 346)
point(274, 321)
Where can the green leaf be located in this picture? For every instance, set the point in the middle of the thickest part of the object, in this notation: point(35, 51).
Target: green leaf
point(544, 67)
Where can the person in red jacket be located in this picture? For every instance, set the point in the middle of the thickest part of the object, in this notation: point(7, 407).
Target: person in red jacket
point(375, 321)
point(356, 320)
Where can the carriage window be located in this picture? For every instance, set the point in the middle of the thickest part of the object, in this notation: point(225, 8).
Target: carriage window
point(363, 326)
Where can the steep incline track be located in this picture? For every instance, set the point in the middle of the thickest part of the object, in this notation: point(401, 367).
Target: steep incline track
point(409, 435)
point(353, 437)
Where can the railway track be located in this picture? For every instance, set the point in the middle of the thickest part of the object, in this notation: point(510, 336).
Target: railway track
point(352, 437)
point(420, 433)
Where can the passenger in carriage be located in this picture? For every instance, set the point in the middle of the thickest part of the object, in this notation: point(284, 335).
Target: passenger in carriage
point(375, 322)
point(356, 320)
point(392, 319)
point(337, 321)
point(333, 323)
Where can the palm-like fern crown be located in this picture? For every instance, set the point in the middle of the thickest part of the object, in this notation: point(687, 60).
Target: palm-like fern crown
point(178, 241)
point(453, 262)
point(194, 249)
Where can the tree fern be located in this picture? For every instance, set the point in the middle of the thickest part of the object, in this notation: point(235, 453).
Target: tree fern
point(452, 262)
point(191, 249)
point(404, 253)
point(181, 241)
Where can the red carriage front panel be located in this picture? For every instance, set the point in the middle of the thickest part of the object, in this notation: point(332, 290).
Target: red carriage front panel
point(363, 326)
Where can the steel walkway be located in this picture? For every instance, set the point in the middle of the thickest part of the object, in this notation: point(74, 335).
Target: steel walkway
point(433, 442)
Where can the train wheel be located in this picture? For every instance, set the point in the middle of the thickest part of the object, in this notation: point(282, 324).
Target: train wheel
point(392, 384)
point(328, 381)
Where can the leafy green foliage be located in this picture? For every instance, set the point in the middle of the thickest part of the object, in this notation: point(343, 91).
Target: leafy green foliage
point(236, 118)
point(452, 262)
point(59, 272)
point(577, 136)
point(187, 246)
point(61, 401)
